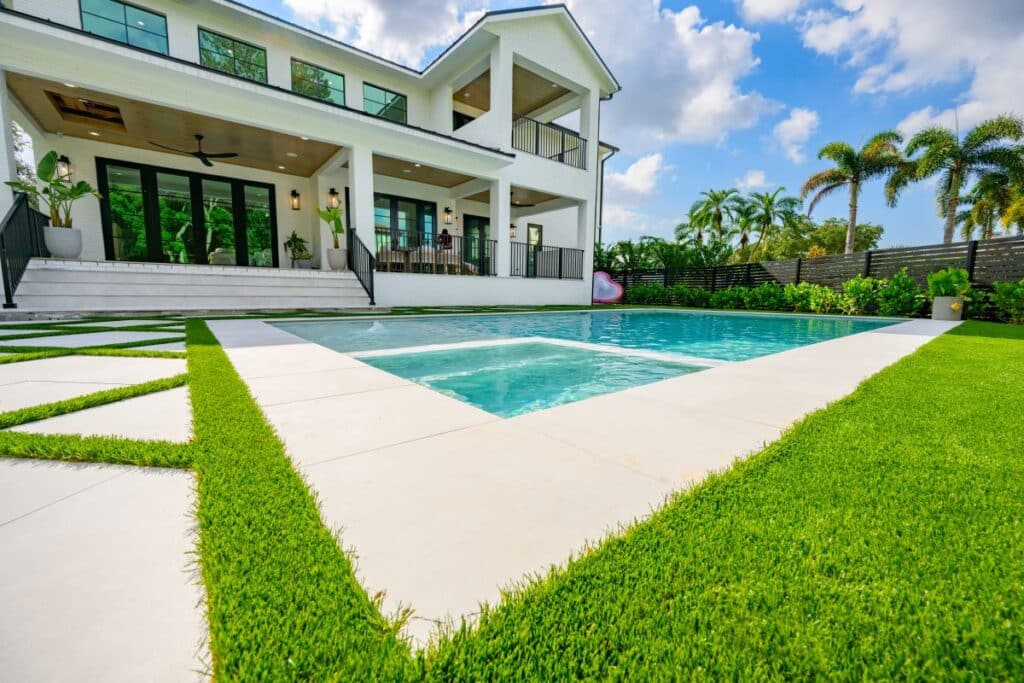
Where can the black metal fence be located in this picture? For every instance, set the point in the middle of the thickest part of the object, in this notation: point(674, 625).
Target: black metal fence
point(361, 262)
point(549, 141)
point(21, 238)
point(561, 263)
point(986, 261)
point(400, 251)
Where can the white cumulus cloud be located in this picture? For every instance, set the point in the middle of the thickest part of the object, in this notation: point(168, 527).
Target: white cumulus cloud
point(752, 180)
point(640, 178)
point(900, 47)
point(769, 10)
point(793, 131)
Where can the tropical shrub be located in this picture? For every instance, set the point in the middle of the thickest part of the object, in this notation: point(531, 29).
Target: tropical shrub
point(691, 297)
point(730, 298)
point(861, 295)
point(798, 297)
point(949, 282)
point(655, 294)
point(824, 299)
point(900, 296)
point(1008, 300)
point(769, 296)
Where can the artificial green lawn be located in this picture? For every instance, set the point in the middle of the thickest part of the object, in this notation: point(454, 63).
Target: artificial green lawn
point(882, 537)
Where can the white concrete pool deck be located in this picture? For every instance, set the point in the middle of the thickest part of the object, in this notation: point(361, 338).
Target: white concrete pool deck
point(445, 504)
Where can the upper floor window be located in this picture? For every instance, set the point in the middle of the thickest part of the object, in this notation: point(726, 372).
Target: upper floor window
point(126, 24)
point(384, 103)
point(232, 56)
point(314, 81)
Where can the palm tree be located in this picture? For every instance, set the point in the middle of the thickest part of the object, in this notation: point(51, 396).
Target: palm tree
point(745, 222)
point(989, 201)
point(983, 150)
point(632, 255)
point(879, 156)
point(717, 209)
point(692, 229)
point(772, 211)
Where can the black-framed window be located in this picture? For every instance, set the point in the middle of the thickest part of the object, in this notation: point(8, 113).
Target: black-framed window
point(408, 221)
point(125, 23)
point(315, 81)
point(385, 103)
point(232, 56)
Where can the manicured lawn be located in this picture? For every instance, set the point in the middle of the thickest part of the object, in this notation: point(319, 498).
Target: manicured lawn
point(881, 538)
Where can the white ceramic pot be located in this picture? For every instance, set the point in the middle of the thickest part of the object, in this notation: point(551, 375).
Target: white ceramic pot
point(63, 242)
point(947, 308)
point(336, 259)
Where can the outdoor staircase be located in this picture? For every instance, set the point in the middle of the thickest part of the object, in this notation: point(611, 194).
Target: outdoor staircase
point(73, 286)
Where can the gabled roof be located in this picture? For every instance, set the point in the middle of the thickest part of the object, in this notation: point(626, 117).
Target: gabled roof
point(494, 15)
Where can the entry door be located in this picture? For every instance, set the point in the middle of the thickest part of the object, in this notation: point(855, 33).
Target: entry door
point(475, 234)
point(169, 216)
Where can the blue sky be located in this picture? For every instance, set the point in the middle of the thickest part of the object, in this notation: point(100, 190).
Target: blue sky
point(731, 93)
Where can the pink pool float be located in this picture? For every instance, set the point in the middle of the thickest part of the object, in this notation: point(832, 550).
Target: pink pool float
point(606, 290)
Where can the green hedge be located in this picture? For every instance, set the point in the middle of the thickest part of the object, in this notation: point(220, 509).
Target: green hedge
point(895, 296)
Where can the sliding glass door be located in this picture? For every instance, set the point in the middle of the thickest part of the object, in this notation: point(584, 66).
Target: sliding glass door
point(169, 216)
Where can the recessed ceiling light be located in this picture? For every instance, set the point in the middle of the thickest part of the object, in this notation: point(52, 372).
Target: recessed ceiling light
point(554, 85)
point(303, 137)
point(94, 133)
point(406, 170)
point(291, 154)
point(70, 85)
point(418, 165)
point(280, 168)
point(466, 94)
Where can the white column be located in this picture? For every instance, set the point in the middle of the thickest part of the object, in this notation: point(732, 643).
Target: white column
point(8, 169)
point(589, 128)
point(360, 193)
point(501, 92)
point(585, 235)
point(441, 104)
point(501, 218)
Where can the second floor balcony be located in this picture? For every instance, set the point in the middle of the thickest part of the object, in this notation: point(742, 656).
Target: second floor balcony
point(550, 141)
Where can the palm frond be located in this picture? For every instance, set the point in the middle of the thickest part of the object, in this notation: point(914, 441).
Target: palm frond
point(988, 132)
point(832, 176)
point(931, 137)
point(839, 152)
point(822, 193)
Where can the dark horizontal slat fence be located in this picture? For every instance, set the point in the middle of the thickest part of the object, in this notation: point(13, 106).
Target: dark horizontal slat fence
point(987, 261)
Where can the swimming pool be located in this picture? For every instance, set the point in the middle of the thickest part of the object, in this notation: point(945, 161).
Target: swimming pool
point(718, 336)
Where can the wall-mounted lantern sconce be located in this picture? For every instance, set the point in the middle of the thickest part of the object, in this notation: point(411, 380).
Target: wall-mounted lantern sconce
point(295, 200)
point(448, 216)
point(512, 231)
point(332, 199)
point(64, 168)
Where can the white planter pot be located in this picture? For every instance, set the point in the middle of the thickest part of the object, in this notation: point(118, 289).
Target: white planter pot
point(947, 308)
point(63, 242)
point(336, 259)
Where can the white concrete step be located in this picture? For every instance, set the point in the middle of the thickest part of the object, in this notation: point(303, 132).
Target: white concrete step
point(56, 285)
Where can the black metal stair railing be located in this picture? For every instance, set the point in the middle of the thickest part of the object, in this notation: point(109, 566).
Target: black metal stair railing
point(21, 238)
point(361, 262)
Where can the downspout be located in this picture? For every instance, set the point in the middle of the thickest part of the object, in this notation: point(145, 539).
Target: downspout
point(599, 205)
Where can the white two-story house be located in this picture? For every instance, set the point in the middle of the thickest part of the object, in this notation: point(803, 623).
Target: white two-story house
point(476, 180)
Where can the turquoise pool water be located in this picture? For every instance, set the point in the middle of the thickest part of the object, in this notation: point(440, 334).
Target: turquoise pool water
point(729, 337)
point(513, 379)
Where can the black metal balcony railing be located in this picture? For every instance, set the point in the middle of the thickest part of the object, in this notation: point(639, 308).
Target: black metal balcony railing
point(549, 141)
point(399, 251)
point(21, 238)
point(531, 260)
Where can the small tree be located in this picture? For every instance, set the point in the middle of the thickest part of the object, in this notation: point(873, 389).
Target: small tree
point(58, 193)
point(332, 217)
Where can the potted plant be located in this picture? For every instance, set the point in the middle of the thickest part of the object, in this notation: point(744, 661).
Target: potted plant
point(948, 288)
point(298, 252)
point(332, 217)
point(59, 194)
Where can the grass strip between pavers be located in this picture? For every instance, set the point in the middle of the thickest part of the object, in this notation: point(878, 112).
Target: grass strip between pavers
point(116, 345)
point(21, 357)
point(881, 538)
point(12, 418)
point(94, 449)
point(283, 601)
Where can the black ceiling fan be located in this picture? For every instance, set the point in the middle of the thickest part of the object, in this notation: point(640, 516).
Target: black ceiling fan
point(199, 153)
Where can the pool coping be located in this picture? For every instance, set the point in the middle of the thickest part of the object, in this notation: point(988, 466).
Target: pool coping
point(447, 505)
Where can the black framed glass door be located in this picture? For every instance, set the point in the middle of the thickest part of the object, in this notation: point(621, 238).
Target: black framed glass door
point(169, 216)
point(534, 242)
point(476, 232)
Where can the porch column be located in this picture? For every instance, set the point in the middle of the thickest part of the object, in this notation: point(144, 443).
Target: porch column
point(8, 168)
point(360, 194)
point(585, 235)
point(501, 218)
point(501, 92)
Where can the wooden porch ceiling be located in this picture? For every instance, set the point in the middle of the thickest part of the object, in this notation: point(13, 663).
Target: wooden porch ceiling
point(530, 92)
point(521, 196)
point(91, 115)
point(417, 173)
